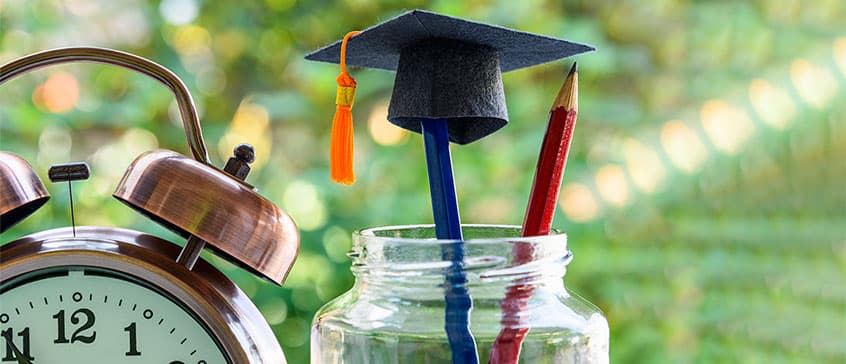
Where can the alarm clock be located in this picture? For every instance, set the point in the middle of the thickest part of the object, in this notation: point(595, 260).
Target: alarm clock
point(112, 295)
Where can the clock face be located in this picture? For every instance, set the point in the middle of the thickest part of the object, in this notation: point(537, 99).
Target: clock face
point(95, 315)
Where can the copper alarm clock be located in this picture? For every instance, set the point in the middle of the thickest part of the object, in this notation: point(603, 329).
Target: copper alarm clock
point(113, 295)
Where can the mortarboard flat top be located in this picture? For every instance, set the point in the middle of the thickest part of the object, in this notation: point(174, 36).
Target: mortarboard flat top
point(448, 68)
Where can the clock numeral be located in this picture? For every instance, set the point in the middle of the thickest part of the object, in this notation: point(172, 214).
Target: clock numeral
point(9, 335)
point(133, 342)
point(75, 319)
point(62, 338)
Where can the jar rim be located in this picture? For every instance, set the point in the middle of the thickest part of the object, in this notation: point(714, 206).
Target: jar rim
point(493, 254)
point(370, 233)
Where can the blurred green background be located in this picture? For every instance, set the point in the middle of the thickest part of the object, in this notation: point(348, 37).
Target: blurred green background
point(704, 197)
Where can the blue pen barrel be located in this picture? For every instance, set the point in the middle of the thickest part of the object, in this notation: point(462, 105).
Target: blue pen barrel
point(441, 180)
point(457, 319)
point(448, 227)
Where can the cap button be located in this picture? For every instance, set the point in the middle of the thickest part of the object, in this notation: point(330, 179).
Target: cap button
point(239, 164)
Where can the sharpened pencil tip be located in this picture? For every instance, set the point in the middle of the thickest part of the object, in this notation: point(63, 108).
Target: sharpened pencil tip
point(574, 69)
point(569, 93)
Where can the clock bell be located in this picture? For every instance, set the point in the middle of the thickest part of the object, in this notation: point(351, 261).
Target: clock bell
point(21, 191)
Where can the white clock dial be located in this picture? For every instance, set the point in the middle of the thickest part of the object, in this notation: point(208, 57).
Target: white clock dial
point(93, 315)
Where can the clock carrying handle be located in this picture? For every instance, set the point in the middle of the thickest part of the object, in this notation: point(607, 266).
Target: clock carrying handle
point(187, 109)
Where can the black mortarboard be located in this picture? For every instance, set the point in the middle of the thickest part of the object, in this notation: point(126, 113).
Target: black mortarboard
point(447, 68)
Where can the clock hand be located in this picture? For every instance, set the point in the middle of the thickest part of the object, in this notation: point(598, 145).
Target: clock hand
point(22, 359)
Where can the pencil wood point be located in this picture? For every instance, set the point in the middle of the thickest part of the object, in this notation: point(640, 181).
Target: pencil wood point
point(568, 96)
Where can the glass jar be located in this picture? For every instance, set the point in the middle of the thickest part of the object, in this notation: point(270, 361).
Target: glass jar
point(394, 313)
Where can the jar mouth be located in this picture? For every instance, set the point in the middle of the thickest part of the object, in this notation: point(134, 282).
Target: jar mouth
point(406, 253)
point(424, 234)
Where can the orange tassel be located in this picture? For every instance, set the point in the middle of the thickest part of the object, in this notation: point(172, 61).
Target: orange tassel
point(341, 147)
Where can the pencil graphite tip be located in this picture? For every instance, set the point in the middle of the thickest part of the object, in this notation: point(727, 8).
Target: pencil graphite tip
point(568, 96)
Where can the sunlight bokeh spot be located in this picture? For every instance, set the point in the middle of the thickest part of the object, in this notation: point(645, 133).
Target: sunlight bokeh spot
point(336, 243)
point(725, 125)
point(59, 94)
point(296, 330)
point(684, 148)
point(54, 143)
point(644, 166)
point(382, 131)
point(179, 12)
point(191, 40)
point(274, 310)
point(305, 205)
point(493, 209)
point(111, 159)
point(230, 44)
point(612, 185)
point(250, 125)
point(78, 7)
point(307, 271)
point(137, 141)
point(815, 84)
point(211, 82)
point(840, 54)
point(772, 104)
point(578, 203)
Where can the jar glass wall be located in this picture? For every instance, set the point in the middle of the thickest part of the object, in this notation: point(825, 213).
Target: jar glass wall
point(394, 313)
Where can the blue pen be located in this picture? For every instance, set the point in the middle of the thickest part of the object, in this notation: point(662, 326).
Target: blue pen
point(448, 226)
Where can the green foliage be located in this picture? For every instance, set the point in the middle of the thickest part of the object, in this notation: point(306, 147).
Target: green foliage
point(719, 238)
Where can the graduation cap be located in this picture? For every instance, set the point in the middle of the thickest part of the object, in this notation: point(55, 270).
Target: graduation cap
point(447, 68)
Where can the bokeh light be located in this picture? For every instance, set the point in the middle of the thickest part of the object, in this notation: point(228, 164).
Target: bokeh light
point(684, 148)
point(191, 40)
point(773, 105)
point(80, 7)
point(492, 209)
point(382, 131)
point(612, 185)
point(179, 12)
point(250, 125)
point(59, 94)
point(230, 44)
point(304, 204)
point(274, 310)
point(840, 54)
point(336, 243)
point(54, 143)
point(644, 166)
point(578, 203)
point(727, 126)
point(137, 141)
point(816, 85)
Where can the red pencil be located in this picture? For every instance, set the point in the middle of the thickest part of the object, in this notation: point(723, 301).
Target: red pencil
point(539, 213)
